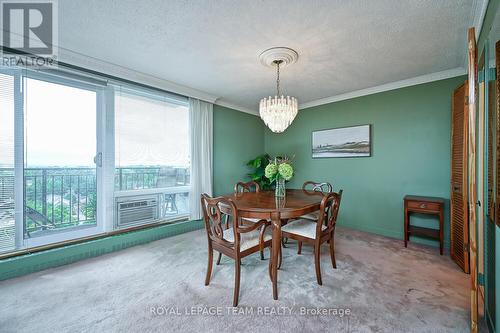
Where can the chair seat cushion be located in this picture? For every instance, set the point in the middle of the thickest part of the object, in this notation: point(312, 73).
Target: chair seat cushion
point(314, 216)
point(247, 239)
point(302, 227)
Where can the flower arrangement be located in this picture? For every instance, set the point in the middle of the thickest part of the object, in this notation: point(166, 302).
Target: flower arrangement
point(279, 170)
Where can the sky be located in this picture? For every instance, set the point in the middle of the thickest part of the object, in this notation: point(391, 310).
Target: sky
point(60, 125)
point(60, 128)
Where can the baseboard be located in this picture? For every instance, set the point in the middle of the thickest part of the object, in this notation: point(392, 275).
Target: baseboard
point(34, 262)
point(395, 234)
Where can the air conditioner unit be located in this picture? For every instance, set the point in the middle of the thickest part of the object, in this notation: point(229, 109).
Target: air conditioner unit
point(134, 211)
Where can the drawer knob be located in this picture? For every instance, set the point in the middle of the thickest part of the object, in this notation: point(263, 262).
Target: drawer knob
point(422, 205)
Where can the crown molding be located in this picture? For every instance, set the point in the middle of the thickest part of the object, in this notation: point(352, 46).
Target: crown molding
point(78, 59)
point(224, 103)
point(388, 86)
point(442, 75)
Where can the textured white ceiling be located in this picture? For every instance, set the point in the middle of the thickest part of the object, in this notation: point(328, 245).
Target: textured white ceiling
point(213, 45)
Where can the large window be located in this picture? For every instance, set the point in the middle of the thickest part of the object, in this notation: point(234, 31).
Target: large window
point(80, 156)
point(60, 142)
point(48, 141)
point(152, 150)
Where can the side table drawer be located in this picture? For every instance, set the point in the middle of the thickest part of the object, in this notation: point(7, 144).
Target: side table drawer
point(424, 205)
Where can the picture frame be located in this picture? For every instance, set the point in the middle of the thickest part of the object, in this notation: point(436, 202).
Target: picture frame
point(342, 142)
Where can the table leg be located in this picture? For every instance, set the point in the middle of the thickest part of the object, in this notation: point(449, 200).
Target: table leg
point(406, 226)
point(276, 247)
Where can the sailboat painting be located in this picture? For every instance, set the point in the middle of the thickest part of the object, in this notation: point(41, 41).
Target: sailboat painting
point(352, 141)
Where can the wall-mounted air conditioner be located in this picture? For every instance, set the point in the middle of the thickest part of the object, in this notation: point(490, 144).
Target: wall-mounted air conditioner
point(136, 210)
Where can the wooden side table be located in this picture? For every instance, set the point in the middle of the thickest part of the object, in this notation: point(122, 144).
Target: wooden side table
point(424, 205)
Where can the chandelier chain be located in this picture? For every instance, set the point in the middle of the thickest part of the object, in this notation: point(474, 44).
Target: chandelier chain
point(278, 62)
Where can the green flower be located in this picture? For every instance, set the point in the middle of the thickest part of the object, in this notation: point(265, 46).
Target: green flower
point(286, 171)
point(271, 170)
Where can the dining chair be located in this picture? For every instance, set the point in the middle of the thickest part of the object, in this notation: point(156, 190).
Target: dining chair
point(250, 186)
point(319, 231)
point(309, 185)
point(324, 187)
point(237, 241)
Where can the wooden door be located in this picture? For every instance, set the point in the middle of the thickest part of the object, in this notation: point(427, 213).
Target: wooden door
point(472, 103)
point(458, 197)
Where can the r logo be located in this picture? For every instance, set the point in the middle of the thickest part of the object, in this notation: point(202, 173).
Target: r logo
point(29, 26)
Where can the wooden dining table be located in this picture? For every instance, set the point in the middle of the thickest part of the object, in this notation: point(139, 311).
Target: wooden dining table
point(265, 205)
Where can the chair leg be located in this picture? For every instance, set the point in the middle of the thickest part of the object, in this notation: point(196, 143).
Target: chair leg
point(280, 258)
point(332, 253)
point(299, 249)
point(210, 263)
point(270, 262)
point(237, 266)
point(317, 252)
point(219, 258)
point(261, 243)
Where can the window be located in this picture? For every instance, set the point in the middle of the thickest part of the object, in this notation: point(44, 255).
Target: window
point(152, 150)
point(59, 134)
point(60, 142)
point(48, 141)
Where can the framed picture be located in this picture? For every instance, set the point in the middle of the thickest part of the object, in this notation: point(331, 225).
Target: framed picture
point(354, 141)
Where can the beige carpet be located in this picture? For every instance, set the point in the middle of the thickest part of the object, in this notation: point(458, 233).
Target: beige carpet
point(158, 287)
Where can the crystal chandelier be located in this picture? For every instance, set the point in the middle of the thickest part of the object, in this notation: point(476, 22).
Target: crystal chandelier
point(278, 112)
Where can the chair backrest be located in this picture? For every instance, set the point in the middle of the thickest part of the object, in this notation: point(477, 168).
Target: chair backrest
point(250, 186)
point(215, 211)
point(329, 210)
point(324, 187)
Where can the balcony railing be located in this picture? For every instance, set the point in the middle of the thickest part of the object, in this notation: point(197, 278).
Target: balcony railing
point(57, 198)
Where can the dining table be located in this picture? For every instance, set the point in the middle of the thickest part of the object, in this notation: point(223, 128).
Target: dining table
point(266, 205)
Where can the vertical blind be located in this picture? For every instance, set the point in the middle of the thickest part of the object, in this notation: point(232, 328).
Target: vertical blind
point(7, 220)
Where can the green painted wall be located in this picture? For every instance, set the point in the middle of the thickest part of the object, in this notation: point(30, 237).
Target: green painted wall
point(410, 146)
point(238, 137)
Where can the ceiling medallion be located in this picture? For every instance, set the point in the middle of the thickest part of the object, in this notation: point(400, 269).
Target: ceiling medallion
point(278, 112)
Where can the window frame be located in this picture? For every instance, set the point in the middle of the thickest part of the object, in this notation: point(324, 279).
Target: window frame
point(76, 232)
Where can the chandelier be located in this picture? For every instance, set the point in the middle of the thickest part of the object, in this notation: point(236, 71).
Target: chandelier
point(278, 112)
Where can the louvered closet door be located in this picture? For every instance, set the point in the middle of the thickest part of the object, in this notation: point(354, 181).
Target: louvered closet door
point(458, 210)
